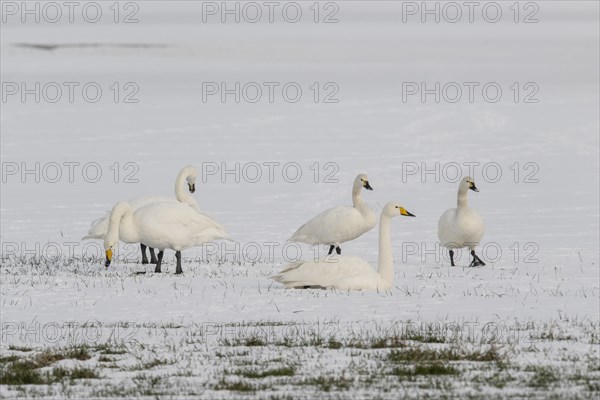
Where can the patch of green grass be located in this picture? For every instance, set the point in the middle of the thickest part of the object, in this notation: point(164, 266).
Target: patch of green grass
point(83, 373)
point(60, 373)
point(20, 348)
point(542, 377)
point(106, 348)
point(327, 384)
point(429, 337)
point(8, 359)
point(334, 344)
point(78, 353)
point(434, 368)
point(26, 372)
point(238, 386)
point(149, 364)
point(21, 373)
point(149, 385)
point(251, 341)
point(417, 354)
point(253, 374)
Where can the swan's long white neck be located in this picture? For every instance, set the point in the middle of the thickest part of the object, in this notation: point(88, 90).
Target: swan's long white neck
point(461, 201)
point(386, 261)
point(181, 190)
point(357, 200)
point(120, 221)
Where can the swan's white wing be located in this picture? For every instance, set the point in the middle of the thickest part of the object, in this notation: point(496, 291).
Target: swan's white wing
point(176, 226)
point(341, 272)
point(333, 226)
point(446, 232)
point(99, 227)
point(460, 228)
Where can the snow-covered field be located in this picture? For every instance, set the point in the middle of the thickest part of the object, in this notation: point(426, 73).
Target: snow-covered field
point(527, 325)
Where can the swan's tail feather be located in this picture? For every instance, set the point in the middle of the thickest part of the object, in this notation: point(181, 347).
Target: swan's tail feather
point(213, 234)
point(302, 238)
point(285, 276)
point(97, 229)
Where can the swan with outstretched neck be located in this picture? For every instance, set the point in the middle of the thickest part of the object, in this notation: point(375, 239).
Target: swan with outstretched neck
point(187, 175)
point(348, 272)
point(462, 226)
point(161, 225)
point(340, 224)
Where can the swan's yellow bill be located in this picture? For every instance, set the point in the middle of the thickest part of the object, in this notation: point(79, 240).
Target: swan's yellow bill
point(108, 257)
point(405, 213)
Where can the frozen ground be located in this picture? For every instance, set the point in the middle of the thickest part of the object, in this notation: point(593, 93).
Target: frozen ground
point(526, 325)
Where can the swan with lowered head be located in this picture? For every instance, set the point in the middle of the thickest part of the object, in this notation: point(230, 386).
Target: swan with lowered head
point(161, 225)
point(462, 226)
point(348, 272)
point(339, 224)
point(187, 175)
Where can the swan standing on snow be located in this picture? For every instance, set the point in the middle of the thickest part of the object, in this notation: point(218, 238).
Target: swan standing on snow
point(161, 225)
point(348, 272)
point(462, 226)
point(339, 224)
point(187, 175)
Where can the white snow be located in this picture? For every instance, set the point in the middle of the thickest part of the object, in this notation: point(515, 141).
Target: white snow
point(545, 220)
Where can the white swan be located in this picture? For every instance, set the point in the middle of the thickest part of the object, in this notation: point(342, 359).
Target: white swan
point(339, 224)
point(187, 175)
point(348, 272)
point(161, 225)
point(462, 226)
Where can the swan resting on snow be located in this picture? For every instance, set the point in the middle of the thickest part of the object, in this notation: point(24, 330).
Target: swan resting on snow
point(339, 224)
point(462, 226)
point(348, 272)
point(187, 175)
point(161, 225)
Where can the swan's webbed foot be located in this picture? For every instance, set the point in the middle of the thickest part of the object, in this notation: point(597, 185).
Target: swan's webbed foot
point(159, 262)
point(144, 258)
point(153, 259)
point(452, 258)
point(476, 260)
point(338, 250)
point(178, 270)
point(331, 249)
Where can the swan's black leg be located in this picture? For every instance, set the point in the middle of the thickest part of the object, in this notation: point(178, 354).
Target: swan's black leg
point(331, 250)
point(144, 258)
point(452, 258)
point(178, 270)
point(476, 260)
point(338, 250)
point(159, 261)
point(153, 259)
